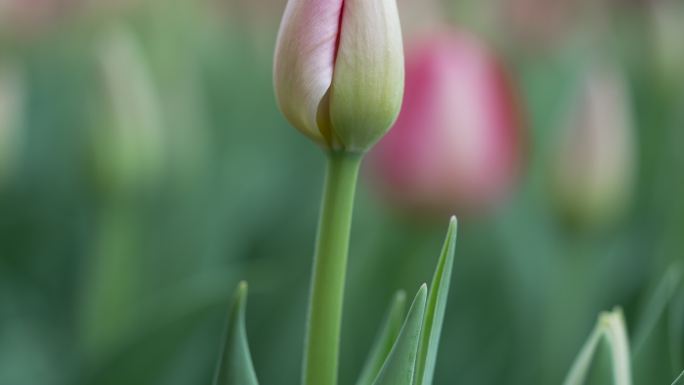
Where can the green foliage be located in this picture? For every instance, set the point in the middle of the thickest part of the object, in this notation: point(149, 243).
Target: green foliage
point(679, 380)
point(610, 329)
point(436, 307)
point(399, 367)
point(413, 356)
point(235, 362)
point(659, 330)
point(385, 339)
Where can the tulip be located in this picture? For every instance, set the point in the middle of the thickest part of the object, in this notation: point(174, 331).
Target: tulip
point(339, 78)
point(456, 146)
point(339, 70)
point(592, 172)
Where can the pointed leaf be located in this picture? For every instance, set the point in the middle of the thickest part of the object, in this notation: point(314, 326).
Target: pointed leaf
point(679, 380)
point(436, 307)
point(580, 368)
point(611, 329)
point(399, 367)
point(676, 330)
point(235, 362)
point(385, 339)
point(656, 307)
point(658, 330)
point(616, 336)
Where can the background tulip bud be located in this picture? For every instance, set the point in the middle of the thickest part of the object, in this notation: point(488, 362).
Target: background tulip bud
point(667, 29)
point(129, 144)
point(339, 70)
point(456, 146)
point(593, 166)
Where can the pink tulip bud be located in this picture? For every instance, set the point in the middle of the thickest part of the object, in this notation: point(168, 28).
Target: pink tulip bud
point(592, 172)
point(456, 146)
point(339, 70)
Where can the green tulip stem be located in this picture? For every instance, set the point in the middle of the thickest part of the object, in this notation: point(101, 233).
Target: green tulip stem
point(321, 346)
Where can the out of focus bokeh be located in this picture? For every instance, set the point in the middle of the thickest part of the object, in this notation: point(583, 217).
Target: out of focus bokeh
point(145, 170)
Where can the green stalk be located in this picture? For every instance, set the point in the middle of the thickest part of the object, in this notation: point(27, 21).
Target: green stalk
point(321, 346)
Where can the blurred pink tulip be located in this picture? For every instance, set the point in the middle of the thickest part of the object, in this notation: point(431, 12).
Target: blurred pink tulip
point(457, 144)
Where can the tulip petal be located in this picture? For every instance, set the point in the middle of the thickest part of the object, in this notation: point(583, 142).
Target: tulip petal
point(368, 80)
point(304, 60)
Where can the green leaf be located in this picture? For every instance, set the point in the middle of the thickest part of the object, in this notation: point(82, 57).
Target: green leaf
point(656, 307)
point(610, 328)
point(679, 380)
point(235, 363)
point(659, 329)
point(382, 345)
point(580, 368)
point(616, 335)
point(399, 367)
point(436, 307)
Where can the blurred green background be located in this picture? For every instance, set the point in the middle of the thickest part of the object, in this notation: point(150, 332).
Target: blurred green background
point(145, 170)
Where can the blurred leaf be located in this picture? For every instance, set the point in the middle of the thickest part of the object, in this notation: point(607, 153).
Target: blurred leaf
point(399, 367)
point(112, 281)
point(582, 363)
point(610, 328)
point(382, 346)
point(235, 362)
point(679, 380)
point(676, 330)
point(436, 306)
point(659, 331)
point(656, 307)
point(143, 356)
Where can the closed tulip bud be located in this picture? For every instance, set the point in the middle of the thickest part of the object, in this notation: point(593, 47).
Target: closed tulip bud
point(456, 146)
point(339, 70)
point(594, 162)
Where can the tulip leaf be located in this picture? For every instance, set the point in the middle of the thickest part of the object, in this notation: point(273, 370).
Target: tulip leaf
point(610, 329)
point(679, 380)
point(384, 340)
point(660, 329)
point(657, 306)
point(399, 367)
point(582, 363)
point(235, 363)
point(436, 307)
